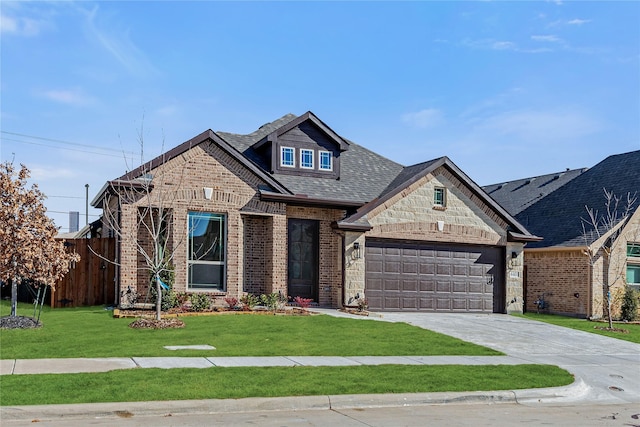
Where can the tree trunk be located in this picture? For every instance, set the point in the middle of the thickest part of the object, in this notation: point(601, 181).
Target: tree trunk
point(158, 298)
point(14, 296)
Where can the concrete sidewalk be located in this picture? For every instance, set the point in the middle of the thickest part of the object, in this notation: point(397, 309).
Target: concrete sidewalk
point(69, 366)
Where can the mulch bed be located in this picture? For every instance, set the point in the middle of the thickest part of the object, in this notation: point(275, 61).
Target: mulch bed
point(19, 322)
point(157, 324)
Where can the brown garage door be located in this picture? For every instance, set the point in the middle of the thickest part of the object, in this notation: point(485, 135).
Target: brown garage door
point(419, 276)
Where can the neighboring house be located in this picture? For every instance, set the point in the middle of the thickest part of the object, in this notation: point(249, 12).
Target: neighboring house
point(555, 206)
point(295, 208)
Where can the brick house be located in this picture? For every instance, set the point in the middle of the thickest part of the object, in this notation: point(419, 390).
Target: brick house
point(296, 208)
point(554, 207)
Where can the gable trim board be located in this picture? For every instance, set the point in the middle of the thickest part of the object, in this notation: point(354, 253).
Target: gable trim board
point(256, 206)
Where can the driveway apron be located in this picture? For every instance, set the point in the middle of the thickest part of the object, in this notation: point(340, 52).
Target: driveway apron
point(609, 368)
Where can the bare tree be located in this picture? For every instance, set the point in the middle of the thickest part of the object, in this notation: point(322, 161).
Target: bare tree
point(600, 233)
point(28, 248)
point(154, 189)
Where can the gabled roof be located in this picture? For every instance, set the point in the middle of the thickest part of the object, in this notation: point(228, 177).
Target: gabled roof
point(363, 173)
point(414, 173)
point(516, 196)
point(341, 143)
point(558, 216)
point(129, 179)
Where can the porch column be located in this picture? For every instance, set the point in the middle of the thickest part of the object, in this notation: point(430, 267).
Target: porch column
point(354, 268)
point(128, 251)
point(276, 254)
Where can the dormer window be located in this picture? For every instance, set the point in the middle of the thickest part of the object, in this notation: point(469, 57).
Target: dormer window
point(306, 158)
point(287, 157)
point(325, 160)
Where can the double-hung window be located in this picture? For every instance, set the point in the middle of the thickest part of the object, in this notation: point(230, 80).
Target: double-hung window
point(306, 158)
point(206, 251)
point(287, 157)
point(325, 161)
point(633, 264)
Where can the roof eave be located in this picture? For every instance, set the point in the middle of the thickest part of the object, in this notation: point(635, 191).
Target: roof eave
point(304, 200)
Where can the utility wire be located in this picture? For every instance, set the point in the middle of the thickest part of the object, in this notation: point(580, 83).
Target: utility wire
point(63, 148)
point(66, 142)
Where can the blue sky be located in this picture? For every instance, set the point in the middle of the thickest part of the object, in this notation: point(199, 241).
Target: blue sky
point(507, 90)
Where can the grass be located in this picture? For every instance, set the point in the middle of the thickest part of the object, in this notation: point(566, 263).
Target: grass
point(633, 329)
point(93, 332)
point(235, 383)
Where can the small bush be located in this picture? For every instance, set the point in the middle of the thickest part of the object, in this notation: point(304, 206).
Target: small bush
point(363, 305)
point(231, 302)
point(303, 302)
point(249, 301)
point(199, 302)
point(629, 308)
point(274, 301)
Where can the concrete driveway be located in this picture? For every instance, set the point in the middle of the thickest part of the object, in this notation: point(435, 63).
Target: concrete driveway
point(607, 370)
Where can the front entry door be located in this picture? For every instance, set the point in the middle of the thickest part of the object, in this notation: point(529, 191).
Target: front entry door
point(303, 258)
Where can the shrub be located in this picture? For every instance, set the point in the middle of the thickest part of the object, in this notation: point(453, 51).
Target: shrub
point(199, 302)
point(249, 301)
point(274, 301)
point(629, 309)
point(231, 302)
point(303, 302)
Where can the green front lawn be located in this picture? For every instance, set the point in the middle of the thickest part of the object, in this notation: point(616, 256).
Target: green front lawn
point(632, 334)
point(234, 383)
point(93, 332)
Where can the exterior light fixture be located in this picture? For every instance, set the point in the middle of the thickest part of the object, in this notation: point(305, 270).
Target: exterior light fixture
point(514, 255)
point(356, 250)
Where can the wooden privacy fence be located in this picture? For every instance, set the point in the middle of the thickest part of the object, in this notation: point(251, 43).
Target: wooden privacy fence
point(90, 280)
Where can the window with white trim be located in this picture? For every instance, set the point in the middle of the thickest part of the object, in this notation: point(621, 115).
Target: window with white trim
point(439, 197)
point(206, 258)
point(306, 158)
point(287, 157)
point(325, 160)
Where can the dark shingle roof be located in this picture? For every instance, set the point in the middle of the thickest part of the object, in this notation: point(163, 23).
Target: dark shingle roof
point(516, 196)
point(558, 216)
point(363, 173)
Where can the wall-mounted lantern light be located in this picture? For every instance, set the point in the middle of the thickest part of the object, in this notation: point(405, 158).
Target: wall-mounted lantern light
point(514, 255)
point(356, 250)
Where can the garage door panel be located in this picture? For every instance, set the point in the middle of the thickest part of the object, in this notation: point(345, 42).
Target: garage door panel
point(410, 303)
point(430, 276)
point(392, 266)
point(427, 268)
point(443, 286)
point(410, 285)
point(427, 285)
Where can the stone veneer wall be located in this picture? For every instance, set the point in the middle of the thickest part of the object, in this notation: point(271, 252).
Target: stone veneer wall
point(411, 215)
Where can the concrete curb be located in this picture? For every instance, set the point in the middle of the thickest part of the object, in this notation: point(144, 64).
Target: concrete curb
point(255, 404)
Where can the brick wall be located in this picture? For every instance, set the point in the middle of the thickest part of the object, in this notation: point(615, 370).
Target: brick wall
point(560, 275)
point(330, 254)
point(178, 185)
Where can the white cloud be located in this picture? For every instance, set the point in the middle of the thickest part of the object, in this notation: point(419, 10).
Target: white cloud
point(117, 42)
point(74, 97)
point(578, 21)
point(21, 26)
point(547, 38)
point(167, 110)
point(426, 118)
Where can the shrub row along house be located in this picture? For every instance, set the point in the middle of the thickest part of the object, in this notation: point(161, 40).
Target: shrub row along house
point(575, 267)
point(296, 208)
